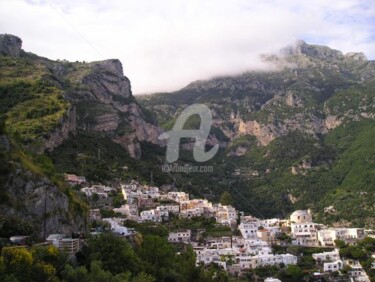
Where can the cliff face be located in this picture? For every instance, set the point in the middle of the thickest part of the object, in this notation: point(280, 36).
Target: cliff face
point(112, 108)
point(67, 127)
point(32, 198)
point(87, 97)
point(28, 196)
point(10, 45)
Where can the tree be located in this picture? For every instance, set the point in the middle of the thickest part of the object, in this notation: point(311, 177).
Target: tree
point(226, 198)
point(143, 277)
point(187, 268)
point(368, 243)
point(340, 243)
point(96, 274)
point(159, 257)
point(294, 272)
point(115, 253)
point(20, 264)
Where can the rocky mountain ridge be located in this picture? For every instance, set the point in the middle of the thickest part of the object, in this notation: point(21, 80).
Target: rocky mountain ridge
point(295, 95)
point(295, 136)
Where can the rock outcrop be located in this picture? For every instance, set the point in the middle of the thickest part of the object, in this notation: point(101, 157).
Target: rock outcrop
point(110, 90)
point(107, 79)
point(34, 199)
point(67, 127)
point(10, 45)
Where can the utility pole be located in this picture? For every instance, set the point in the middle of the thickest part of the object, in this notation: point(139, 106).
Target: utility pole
point(45, 213)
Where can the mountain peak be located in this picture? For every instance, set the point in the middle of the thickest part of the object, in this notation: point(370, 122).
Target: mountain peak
point(10, 45)
point(301, 48)
point(113, 65)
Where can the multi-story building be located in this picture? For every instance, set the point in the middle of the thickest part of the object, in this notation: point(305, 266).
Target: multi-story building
point(178, 196)
point(249, 229)
point(327, 256)
point(305, 233)
point(249, 262)
point(333, 266)
point(327, 237)
point(226, 215)
point(154, 215)
point(170, 208)
point(179, 236)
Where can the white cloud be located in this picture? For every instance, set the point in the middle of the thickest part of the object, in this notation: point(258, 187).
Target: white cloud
point(166, 44)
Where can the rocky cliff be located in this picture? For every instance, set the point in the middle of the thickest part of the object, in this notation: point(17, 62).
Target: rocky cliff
point(35, 199)
point(305, 90)
point(91, 97)
point(10, 45)
point(111, 108)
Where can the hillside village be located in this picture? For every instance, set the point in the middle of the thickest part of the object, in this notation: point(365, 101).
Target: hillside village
point(247, 242)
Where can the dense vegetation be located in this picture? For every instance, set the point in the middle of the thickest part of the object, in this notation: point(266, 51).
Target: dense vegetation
point(108, 258)
point(149, 257)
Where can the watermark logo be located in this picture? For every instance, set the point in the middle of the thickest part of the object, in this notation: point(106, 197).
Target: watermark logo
point(175, 168)
point(200, 135)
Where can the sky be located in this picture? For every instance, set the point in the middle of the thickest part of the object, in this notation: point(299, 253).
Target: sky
point(166, 44)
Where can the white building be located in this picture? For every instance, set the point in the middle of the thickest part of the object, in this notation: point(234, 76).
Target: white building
point(249, 262)
point(218, 256)
point(118, 228)
point(357, 273)
point(154, 215)
point(207, 255)
point(190, 213)
point(300, 216)
point(327, 237)
point(122, 230)
point(256, 247)
point(223, 242)
point(271, 279)
point(179, 236)
point(226, 215)
point(333, 266)
point(100, 190)
point(170, 208)
point(305, 233)
point(249, 229)
point(272, 222)
point(327, 256)
point(150, 191)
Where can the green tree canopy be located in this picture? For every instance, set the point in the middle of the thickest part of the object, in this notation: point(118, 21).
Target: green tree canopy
point(226, 198)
